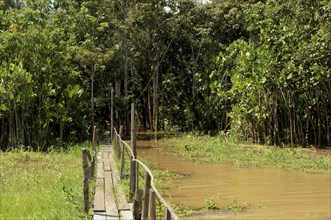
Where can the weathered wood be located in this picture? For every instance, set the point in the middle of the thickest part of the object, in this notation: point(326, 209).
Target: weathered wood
point(99, 216)
point(126, 215)
point(152, 205)
point(147, 187)
point(167, 215)
point(136, 209)
point(111, 208)
point(99, 197)
point(133, 166)
point(94, 150)
point(132, 118)
point(100, 171)
point(106, 163)
point(122, 160)
point(86, 180)
point(119, 142)
point(122, 202)
point(118, 148)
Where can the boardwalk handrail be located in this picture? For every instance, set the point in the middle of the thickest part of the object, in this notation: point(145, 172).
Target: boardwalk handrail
point(170, 214)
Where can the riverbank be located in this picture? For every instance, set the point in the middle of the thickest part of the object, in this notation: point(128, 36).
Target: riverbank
point(37, 185)
point(219, 150)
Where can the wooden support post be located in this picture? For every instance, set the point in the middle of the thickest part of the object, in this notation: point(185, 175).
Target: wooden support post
point(152, 205)
point(167, 215)
point(147, 187)
point(137, 204)
point(133, 176)
point(94, 144)
point(122, 160)
point(133, 166)
point(119, 142)
point(86, 180)
point(132, 118)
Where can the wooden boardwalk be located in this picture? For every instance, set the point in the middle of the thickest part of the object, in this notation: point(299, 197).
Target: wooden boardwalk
point(109, 200)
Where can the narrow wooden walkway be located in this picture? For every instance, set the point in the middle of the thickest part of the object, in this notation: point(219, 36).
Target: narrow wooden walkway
point(109, 200)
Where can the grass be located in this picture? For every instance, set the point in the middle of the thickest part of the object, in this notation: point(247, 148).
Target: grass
point(36, 185)
point(208, 149)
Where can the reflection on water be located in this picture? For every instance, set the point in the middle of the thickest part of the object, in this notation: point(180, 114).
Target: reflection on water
point(283, 194)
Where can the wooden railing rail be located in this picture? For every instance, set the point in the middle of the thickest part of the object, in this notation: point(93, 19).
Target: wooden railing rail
point(150, 192)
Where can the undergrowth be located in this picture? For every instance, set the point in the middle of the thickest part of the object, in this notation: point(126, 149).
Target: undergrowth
point(217, 150)
point(37, 185)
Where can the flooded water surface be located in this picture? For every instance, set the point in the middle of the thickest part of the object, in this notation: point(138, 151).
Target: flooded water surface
point(270, 193)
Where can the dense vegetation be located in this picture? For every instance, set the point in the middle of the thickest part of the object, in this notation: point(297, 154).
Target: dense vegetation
point(224, 150)
point(35, 185)
point(259, 69)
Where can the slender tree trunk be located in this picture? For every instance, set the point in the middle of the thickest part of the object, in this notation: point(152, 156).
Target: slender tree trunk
point(307, 136)
point(92, 97)
point(291, 128)
point(328, 127)
point(150, 110)
point(275, 129)
point(118, 88)
point(155, 101)
point(319, 126)
point(61, 131)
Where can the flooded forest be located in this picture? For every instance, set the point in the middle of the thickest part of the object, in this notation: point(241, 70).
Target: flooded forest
point(232, 97)
point(257, 70)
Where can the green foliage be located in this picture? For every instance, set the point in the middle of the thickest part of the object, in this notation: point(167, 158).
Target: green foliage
point(211, 204)
point(257, 70)
point(223, 150)
point(50, 184)
point(280, 76)
point(47, 52)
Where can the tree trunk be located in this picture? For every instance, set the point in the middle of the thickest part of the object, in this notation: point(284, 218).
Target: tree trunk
point(92, 97)
point(150, 110)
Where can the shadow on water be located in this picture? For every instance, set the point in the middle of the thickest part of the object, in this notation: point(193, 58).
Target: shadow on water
point(279, 193)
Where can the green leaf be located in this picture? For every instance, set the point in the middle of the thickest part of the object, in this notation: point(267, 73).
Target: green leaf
point(3, 107)
point(290, 76)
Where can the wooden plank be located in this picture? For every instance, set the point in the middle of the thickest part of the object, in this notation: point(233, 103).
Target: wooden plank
point(126, 215)
point(105, 158)
point(99, 197)
point(111, 208)
point(104, 147)
point(100, 171)
point(122, 201)
point(99, 216)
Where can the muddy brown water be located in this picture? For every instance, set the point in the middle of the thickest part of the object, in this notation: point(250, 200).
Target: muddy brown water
point(278, 193)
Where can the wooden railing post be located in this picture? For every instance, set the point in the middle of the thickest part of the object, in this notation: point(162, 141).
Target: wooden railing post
point(152, 205)
point(147, 187)
point(86, 180)
point(133, 167)
point(137, 204)
point(94, 144)
point(167, 215)
point(119, 142)
point(122, 159)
